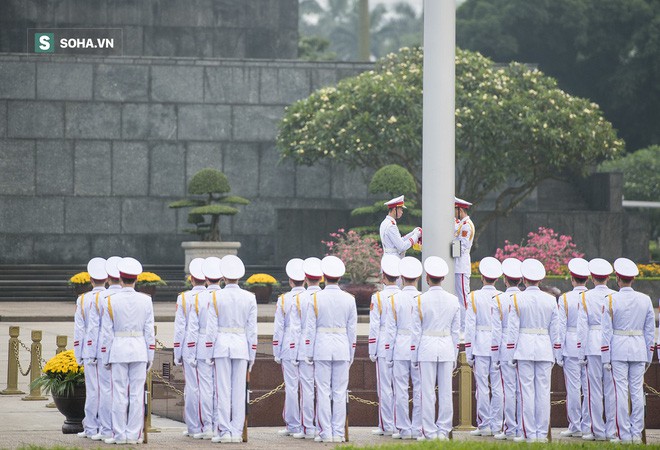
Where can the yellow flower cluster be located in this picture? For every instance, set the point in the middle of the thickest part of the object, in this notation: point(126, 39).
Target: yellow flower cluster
point(64, 362)
point(80, 278)
point(261, 278)
point(148, 276)
point(649, 270)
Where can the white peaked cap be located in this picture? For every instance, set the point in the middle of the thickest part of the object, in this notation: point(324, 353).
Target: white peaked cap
point(210, 268)
point(396, 201)
point(579, 267)
point(111, 266)
point(390, 265)
point(460, 203)
point(436, 267)
point(96, 268)
point(600, 267)
point(312, 268)
point(532, 269)
point(195, 268)
point(294, 269)
point(625, 268)
point(410, 267)
point(232, 267)
point(129, 267)
point(333, 267)
point(490, 267)
point(511, 268)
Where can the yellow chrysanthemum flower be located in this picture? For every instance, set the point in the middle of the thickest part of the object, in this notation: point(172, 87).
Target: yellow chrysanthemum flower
point(148, 276)
point(263, 278)
point(80, 278)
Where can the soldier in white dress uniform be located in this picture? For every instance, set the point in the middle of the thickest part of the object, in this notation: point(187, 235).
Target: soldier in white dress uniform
point(104, 373)
point(313, 275)
point(534, 332)
point(511, 397)
point(185, 346)
point(204, 349)
point(378, 346)
point(575, 375)
point(232, 332)
point(390, 237)
point(286, 338)
point(628, 336)
point(600, 386)
point(398, 326)
point(330, 339)
point(85, 335)
point(482, 347)
point(464, 233)
point(435, 336)
point(129, 344)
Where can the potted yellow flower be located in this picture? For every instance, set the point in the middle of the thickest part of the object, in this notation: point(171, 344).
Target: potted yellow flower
point(261, 284)
point(80, 283)
point(65, 380)
point(147, 282)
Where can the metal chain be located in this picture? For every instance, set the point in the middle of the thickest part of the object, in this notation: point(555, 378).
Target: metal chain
point(18, 361)
point(160, 344)
point(558, 402)
point(24, 346)
point(651, 390)
point(167, 383)
point(267, 394)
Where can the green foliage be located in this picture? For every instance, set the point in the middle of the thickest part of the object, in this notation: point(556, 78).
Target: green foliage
point(211, 210)
point(641, 173)
point(186, 203)
point(393, 180)
point(315, 48)
point(208, 181)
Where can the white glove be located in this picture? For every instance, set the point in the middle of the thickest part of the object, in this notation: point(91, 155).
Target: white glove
point(193, 362)
point(390, 363)
point(373, 358)
point(91, 361)
point(415, 364)
point(178, 362)
point(496, 365)
point(607, 366)
point(309, 360)
point(210, 361)
point(470, 362)
point(513, 363)
point(583, 362)
point(278, 360)
point(295, 362)
point(149, 365)
point(250, 364)
point(107, 366)
point(560, 362)
point(417, 233)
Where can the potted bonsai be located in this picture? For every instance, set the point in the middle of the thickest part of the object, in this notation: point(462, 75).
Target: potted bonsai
point(209, 199)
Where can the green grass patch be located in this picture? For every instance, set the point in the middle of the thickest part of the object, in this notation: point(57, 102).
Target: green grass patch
point(493, 445)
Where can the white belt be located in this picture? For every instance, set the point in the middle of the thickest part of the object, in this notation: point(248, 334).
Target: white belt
point(484, 328)
point(571, 330)
point(129, 334)
point(439, 333)
point(340, 330)
point(202, 331)
point(232, 330)
point(595, 328)
point(628, 332)
point(390, 250)
point(534, 331)
point(403, 332)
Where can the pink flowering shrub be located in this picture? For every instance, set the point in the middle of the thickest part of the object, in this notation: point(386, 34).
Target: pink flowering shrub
point(552, 250)
point(361, 255)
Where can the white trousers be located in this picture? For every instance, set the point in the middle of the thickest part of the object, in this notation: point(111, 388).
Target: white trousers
point(629, 376)
point(91, 420)
point(307, 414)
point(192, 412)
point(434, 374)
point(490, 402)
point(577, 410)
point(206, 398)
point(230, 385)
point(105, 400)
point(128, 400)
point(385, 395)
point(534, 381)
point(331, 395)
point(600, 391)
point(510, 399)
point(403, 371)
point(462, 288)
point(291, 410)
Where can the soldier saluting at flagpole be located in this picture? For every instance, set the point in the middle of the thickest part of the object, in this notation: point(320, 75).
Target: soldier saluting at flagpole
point(390, 237)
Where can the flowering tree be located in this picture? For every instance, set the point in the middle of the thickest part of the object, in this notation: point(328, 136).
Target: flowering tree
point(361, 255)
point(553, 250)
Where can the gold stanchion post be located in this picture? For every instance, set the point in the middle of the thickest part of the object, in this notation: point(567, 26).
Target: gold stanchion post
point(35, 366)
point(464, 394)
point(147, 422)
point(12, 366)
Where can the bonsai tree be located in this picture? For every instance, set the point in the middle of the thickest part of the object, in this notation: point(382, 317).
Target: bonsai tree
point(209, 191)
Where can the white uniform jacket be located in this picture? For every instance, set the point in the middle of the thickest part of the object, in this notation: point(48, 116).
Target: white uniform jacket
point(569, 308)
point(82, 341)
point(534, 326)
point(482, 332)
point(378, 311)
point(393, 242)
point(232, 326)
point(330, 332)
point(464, 232)
point(94, 326)
point(128, 328)
point(436, 321)
point(628, 327)
point(286, 331)
point(185, 303)
point(198, 328)
point(589, 329)
point(399, 323)
point(301, 320)
point(504, 302)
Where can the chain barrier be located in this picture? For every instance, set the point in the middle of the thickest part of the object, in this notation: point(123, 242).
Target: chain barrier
point(267, 394)
point(651, 390)
point(159, 345)
point(42, 361)
point(20, 368)
point(167, 383)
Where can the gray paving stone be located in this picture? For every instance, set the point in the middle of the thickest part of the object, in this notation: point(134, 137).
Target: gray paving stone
point(240, 160)
point(64, 81)
point(121, 82)
point(256, 123)
point(85, 215)
point(62, 249)
point(204, 122)
point(30, 119)
point(55, 167)
point(231, 84)
point(130, 168)
point(147, 216)
point(32, 215)
point(163, 249)
point(125, 12)
point(17, 80)
point(93, 120)
point(177, 84)
point(149, 121)
point(167, 170)
point(17, 166)
point(200, 156)
point(283, 85)
point(92, 172)
point(276, 179)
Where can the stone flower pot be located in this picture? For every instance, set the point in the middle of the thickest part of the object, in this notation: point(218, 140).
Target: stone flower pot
point(73, 409)
point(262, 293)
point(362, 293)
